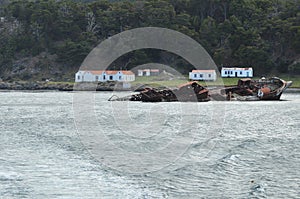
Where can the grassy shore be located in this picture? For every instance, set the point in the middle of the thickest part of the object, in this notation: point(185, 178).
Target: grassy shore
point(296, 81)
point(155, 82)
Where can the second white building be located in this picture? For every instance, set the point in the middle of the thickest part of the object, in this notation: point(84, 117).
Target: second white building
point(236, 72)
point(204, 75)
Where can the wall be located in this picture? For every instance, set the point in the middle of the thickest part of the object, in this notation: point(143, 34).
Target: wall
point(205, 76)
point(236, 73)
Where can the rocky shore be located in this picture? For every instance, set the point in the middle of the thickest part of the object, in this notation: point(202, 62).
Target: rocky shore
point(20, 85)
point(62, 86)
point(65, 86)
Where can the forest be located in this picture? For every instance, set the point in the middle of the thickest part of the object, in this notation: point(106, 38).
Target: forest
point(50, 38)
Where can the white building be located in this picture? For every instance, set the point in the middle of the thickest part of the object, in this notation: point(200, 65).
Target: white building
point(104, 75)
point(148, 72)
point(236, 72)
point(204, 75)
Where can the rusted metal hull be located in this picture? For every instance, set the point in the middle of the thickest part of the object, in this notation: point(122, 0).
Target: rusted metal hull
point(190, 92)
point(246, 90)
point(261, 89)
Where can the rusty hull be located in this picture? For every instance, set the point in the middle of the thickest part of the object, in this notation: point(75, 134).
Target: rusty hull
point(189, 92)
point(261, 89)
point(246, 90)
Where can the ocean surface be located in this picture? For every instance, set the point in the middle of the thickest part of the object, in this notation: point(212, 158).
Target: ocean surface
point(79, 145)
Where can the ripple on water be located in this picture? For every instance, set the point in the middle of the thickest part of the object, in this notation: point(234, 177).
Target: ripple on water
point(253, 155)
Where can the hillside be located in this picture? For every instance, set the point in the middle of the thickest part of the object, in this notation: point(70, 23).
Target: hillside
point(48, 39)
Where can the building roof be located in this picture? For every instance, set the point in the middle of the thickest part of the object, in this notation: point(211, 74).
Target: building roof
point(152, 70)
point(235, 68)
point(144, 70)
point(203, 71)
point(109, 72)
point(127, 72)
point(95, 72)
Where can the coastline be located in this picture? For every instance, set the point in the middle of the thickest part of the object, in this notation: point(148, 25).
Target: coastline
point(292, 90)
point(68, 86)
point(35, 86)
point(65, 86)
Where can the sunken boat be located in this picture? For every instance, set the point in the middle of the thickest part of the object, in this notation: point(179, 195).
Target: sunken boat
point(262, 89)
point(246, 90)
point(189, 92)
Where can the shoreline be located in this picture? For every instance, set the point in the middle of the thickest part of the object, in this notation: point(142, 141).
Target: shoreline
point(292, 90)
point(35, 86)
point(61, 86)
point(108, 86)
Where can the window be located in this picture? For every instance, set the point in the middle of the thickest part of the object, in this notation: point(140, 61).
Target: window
point(78, 77)
point(231, 72)
point(241, 72)
point(104, 77)
point(201, 75)
point(209, 75)
point(195, 75)
point(225, 72)
point(110, 77)
point(97, 77)
point(120, 77)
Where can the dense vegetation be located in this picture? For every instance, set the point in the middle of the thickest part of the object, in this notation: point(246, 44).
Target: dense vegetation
point(264, 34)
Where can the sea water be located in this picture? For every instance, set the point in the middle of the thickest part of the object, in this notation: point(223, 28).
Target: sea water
point(160, 150)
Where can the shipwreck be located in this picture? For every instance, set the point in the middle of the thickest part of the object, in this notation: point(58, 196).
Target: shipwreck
point(261, 89)
point(246, 90)
point(189, 92)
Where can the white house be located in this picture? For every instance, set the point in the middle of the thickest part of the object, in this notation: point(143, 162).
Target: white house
point(204, 75)
point(144, 72)
point(236, 72)
point(148, 72)
point(104, 75)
